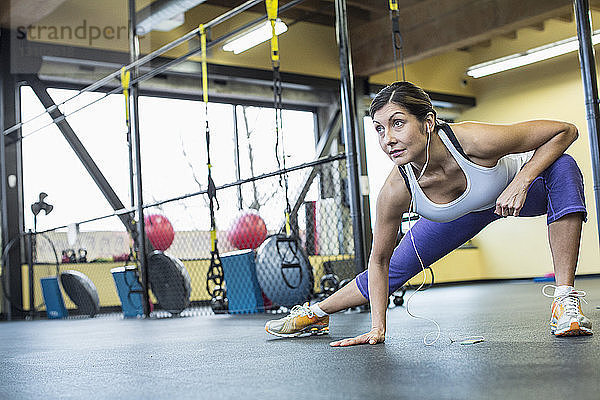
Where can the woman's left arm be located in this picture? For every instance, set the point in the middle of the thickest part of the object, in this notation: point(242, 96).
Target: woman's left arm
point(549, 139)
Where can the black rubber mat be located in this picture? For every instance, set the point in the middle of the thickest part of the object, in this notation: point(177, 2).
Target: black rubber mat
point(232, 357)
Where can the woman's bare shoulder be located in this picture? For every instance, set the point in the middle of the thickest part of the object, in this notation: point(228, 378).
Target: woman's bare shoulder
point(468, 132)
point(474, 138)
point(394, 195)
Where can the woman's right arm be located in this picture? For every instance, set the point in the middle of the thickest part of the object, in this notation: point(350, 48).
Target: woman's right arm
point(393, 201)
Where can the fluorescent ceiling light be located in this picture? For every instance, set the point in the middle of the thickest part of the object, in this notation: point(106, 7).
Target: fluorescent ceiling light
point(167, 25)
point(163, 15)
point(255, 36)
point(528, 57)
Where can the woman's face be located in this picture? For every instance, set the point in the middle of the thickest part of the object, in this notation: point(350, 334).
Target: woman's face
point(401, 136)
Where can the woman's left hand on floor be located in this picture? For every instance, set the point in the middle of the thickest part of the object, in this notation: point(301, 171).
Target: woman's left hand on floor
point(374, 336)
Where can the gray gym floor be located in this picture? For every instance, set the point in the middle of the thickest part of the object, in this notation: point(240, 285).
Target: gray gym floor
point(231, 357)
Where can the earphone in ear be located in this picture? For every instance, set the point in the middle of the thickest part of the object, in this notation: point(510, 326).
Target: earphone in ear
point(427, 156)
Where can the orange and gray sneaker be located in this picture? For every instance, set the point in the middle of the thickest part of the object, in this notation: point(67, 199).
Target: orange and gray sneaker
point(567, 318)
point(301, 320)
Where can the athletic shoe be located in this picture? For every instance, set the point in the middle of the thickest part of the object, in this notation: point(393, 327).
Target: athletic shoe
point(567, 318)
point(300, 320)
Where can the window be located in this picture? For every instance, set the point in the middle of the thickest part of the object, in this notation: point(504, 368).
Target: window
point(173, 154)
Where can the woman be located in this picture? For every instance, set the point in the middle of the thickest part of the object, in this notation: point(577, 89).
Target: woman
point(459, 178)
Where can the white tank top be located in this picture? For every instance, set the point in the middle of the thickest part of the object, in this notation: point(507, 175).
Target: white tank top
point(484, 184)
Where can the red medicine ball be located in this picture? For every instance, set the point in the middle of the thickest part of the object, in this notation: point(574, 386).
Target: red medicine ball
point(159, 231)
point(248, 231)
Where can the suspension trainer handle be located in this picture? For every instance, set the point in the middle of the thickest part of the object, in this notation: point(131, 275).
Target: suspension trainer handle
point(397, 37)
point(272, 9)
point(215, 272)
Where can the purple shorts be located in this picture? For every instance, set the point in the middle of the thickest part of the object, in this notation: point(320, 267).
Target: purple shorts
point(558, 191)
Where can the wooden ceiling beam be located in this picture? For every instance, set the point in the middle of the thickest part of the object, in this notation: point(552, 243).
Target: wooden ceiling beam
point(433, 27)
point(595, 5)
point(565, 18)
point(380, 7)
point(319, 6)
point(539, 26)
point(312, 8)
point(316, 11)
point(512, 35)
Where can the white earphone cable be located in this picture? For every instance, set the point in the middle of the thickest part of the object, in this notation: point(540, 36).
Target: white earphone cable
point(412, 239)
point(438, 332)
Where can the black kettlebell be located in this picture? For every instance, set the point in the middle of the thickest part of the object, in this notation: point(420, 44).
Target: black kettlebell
point(219, 305)
point(69, 256)
point(329, 284)
point(82, 256)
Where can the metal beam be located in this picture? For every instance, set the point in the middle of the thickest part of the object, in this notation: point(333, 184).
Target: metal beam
point(236, 155)
point(361, 91)
point(590, 87)
point(349, 129)
point(11, 181)
point(69, 134)
point(134, 126)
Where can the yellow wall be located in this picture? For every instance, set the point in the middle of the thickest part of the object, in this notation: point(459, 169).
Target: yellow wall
point(99, 274)
point(552, 89)
point(443, 73)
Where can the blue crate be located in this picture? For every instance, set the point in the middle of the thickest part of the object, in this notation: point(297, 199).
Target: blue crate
point(55, 305)
point(129, 290)
point(243, 291)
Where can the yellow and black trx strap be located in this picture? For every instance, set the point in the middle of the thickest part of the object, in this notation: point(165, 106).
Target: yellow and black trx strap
point(215, 277)
point(272, 8)
point(287, 246)
point(125, 80)
point(397, 37)
point(125, 84)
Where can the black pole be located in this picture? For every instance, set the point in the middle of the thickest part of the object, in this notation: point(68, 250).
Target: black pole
point(236, 155)
point(349, 128)
point(134, 52)
point(29, 247)
point(11, 163)
point(131, 174)
point(361, 88)
point(590, 88)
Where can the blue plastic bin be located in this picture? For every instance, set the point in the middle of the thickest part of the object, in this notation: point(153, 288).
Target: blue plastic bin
point(55, 305)
point(129, 290)
point(243, 291)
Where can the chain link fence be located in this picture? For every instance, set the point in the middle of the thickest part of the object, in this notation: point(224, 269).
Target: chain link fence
point(94, 272)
